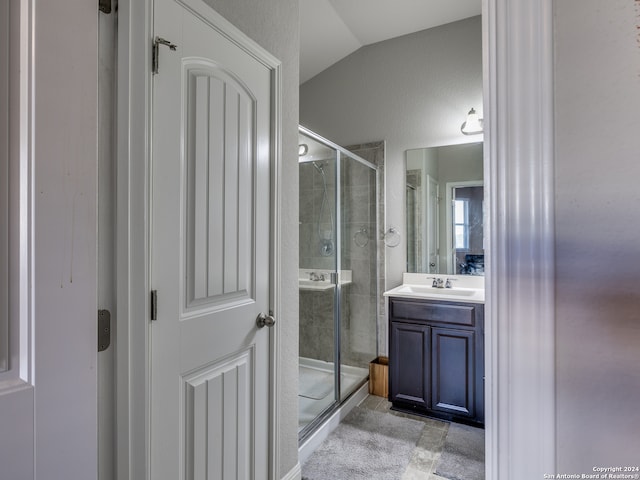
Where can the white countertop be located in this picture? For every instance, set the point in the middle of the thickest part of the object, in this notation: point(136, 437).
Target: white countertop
point(465, 288)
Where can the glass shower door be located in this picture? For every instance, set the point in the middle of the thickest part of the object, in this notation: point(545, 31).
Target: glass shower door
point(317, 282)
point(337, 278)
point(358, 267)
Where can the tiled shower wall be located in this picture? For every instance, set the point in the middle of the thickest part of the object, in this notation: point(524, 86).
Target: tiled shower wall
point(316, 306)
point(374, 152)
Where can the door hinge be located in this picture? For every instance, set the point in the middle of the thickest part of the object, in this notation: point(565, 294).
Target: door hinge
point(155, 54)
point(104, 330)
point(104, 6)
point(154, 304)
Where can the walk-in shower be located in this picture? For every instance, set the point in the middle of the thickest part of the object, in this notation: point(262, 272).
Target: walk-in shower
point(338, 276)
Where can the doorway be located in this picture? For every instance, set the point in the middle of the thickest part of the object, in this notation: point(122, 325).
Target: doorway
point(516, 60)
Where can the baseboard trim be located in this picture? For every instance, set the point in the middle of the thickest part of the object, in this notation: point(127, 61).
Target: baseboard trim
point(294, 474)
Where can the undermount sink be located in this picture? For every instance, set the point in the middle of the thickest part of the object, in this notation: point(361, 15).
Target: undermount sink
point(424, 289)
point(466, 289)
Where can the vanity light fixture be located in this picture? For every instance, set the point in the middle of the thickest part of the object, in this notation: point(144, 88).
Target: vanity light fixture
point(473, 125)
point(303, 148)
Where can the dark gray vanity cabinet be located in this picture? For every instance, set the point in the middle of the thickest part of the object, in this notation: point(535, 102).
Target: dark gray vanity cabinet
point(436, 358)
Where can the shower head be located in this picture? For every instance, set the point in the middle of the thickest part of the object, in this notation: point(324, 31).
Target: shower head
point(318, 167)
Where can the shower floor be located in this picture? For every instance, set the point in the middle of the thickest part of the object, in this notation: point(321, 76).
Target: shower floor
point(316, 387)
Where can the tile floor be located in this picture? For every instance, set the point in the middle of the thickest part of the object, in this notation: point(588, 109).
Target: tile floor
point(427, 452)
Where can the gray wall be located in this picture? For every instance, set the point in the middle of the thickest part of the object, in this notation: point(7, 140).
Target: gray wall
point(413, 91)
point(274, 25)
point(597, 100)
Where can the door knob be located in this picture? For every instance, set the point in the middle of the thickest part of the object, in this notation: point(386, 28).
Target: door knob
point(265, 320)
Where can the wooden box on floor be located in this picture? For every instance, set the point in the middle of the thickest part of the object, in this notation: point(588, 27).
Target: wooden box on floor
point(379, 377)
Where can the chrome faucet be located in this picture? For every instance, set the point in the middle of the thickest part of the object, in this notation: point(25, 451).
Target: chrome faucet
point(440, 283)
point(314, 277)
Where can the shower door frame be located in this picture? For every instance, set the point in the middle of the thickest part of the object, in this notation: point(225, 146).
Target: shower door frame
point(337, 310)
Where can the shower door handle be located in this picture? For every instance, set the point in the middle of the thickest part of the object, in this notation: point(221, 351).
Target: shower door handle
point(265, 320)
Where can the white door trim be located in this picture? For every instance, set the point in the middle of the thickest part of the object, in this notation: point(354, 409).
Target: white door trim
point(132, 259)
point(519, 176)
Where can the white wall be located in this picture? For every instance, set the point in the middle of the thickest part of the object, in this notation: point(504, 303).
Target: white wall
point(274, 25)
point(597, 100)
point(413, 91)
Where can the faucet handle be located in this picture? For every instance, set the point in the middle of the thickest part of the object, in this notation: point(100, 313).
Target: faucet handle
point(449, 280)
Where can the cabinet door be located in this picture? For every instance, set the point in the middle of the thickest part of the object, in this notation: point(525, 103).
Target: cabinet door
point(453, 371)
point(409, 363)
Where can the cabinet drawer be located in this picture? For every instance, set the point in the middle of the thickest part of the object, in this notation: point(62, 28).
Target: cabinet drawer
point(452, 313)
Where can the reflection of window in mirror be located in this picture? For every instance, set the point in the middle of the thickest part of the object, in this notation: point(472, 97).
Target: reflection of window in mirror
point(461, 224)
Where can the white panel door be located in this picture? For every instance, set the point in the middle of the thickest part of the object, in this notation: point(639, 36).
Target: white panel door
point(210, 227)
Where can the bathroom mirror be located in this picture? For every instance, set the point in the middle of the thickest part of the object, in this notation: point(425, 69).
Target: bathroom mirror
point(444, 209)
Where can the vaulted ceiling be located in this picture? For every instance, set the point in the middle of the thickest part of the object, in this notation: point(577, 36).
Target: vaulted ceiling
point(332, 29)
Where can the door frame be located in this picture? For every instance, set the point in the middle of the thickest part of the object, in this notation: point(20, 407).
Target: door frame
point(518, 63)
point(134, 86)
point(519, 182)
